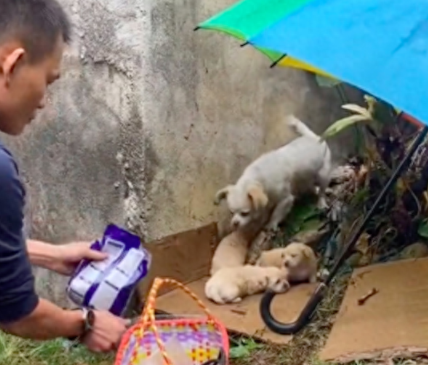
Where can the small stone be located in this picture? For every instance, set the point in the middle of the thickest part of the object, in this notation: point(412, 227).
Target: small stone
point(414, 251)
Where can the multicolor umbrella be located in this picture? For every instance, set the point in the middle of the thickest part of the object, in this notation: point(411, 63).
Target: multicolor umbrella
point(248, 18)
point(379, 46)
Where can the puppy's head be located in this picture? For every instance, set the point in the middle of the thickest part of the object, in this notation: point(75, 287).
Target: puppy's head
point(277, 280)
point(246, 204)
point(297, 254)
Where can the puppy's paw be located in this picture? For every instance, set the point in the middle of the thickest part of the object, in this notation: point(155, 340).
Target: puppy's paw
point(313, 279)
point(237, 300)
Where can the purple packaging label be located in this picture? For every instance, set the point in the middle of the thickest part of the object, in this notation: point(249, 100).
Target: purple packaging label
point(109, 284)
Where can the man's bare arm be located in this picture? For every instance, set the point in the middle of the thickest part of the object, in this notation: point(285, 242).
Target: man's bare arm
point(47, 321)
point(41, 253)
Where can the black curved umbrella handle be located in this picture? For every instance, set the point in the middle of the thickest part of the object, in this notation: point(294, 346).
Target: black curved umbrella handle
point(304, 317)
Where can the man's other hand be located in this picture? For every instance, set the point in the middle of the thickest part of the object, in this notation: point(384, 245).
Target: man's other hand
point(106, 333)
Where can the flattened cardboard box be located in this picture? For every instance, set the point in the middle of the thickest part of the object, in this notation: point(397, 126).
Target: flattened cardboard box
point(186, 257)
point(391, 323)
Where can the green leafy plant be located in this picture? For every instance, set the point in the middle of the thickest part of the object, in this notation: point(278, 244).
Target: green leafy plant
point(243, 348)
point(361, 114)
point(304, 216)
point(423, 228)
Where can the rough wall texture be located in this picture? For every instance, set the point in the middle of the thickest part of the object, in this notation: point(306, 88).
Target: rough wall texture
point(150, 119)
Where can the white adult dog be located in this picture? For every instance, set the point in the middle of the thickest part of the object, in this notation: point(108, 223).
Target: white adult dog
point(273, 181)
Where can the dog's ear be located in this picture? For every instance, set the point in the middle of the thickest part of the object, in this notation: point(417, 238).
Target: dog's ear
point(307, 251)
point(257, 196)
point(221, 194)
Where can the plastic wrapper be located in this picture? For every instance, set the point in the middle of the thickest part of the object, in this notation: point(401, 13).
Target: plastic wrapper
point(109, 284)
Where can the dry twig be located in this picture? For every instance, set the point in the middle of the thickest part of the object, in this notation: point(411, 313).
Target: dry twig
point(363, 299)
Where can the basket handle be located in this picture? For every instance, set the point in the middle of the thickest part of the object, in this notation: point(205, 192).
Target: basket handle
point(151, 299)
point(148, 316)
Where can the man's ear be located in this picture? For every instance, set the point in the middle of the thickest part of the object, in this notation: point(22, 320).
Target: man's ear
point(221, 194)
point(257, 196)
point(10, 63)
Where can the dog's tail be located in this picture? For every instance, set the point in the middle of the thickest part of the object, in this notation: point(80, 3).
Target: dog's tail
point(301, 128)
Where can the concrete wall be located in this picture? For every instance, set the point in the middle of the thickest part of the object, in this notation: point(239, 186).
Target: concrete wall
point(150, 119)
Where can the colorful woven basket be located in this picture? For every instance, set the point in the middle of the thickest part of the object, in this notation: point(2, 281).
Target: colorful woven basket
point(203, 338)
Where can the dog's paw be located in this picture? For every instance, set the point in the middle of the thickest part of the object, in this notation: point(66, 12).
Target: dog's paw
point(237, 300)
point(271, 232)
point(322, 204)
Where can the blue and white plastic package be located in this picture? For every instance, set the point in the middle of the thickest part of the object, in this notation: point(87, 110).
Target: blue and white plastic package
point(109, 284)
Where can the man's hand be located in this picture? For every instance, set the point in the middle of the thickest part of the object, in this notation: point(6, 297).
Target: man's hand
point(62, 259)
point(106, 333)
point(69, 256)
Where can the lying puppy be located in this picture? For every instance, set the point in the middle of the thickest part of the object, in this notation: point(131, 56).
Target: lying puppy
point(272, 258)
point(232, 249)
point(271, 182)
point(231, 285)
point(298, 258)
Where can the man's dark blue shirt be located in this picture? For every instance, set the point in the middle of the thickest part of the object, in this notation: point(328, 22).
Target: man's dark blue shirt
point(17, 295)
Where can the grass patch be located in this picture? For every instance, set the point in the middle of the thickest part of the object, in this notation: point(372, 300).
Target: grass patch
point(16, 351)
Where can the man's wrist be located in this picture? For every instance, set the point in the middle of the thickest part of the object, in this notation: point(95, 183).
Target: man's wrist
point(87, 319)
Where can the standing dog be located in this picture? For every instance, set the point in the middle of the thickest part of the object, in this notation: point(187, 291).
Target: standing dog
point(271, 182)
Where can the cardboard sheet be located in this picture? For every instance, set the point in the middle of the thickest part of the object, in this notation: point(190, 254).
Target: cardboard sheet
point(393, 322)
point(244, 317)
point(185, 256)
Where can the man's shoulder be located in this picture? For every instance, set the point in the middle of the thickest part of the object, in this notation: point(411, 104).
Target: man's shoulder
point(8, 166)
point(10, 182)
point(12, 193)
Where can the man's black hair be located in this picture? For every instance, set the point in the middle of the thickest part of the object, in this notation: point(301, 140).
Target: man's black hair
point(37, 24)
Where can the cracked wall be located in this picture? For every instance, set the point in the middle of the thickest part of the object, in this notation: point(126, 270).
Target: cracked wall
point(149, 120)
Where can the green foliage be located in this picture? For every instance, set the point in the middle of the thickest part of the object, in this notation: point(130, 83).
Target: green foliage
point(304, 216)
point(243, 348)
point(16, 351)
point(423, 228)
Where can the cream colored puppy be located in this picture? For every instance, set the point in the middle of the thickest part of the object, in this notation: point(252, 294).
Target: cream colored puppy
point(231, 285)
point(272, 181)
point(273, 257)
point(297, 258)
point(231, 251)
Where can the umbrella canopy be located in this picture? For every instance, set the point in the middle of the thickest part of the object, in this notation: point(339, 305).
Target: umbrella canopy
point(248, 18)
point(379, 46)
